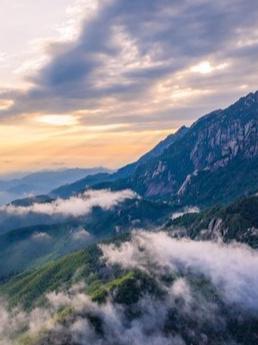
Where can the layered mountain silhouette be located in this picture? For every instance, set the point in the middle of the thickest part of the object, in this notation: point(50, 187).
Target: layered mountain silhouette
point(198, 165)
point(41, 182)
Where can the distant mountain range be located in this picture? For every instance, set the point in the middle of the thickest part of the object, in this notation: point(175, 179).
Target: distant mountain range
point(41, 182)
point(200, 165)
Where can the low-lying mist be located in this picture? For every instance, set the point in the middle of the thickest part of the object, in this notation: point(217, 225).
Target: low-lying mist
point(231, 268)
point(74, 206)
point(32, 248)
point(207, 294)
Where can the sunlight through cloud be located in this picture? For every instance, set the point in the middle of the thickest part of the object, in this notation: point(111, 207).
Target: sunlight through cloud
point(58, 120)
point(205, 67)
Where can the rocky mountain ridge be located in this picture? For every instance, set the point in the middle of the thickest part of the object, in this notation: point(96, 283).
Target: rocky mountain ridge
point(199, 165)
point(237, 222)
point(211, 143)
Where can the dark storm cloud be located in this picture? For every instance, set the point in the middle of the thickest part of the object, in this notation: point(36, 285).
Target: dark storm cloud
point(163, 38)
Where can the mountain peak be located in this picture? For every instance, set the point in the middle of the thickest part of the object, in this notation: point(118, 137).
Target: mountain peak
point(253, 95)
point(249, 99)
point(181, 129)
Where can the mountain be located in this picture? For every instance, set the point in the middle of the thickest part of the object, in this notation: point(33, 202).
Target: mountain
point(29, 241)
point(41, 182)
point(80, 185)
point(200, 165)
point(125, 172)
point(30, 247)
point(134, 290)
point(155, 152)
point(34, 249)
point(118, 267)
point(210, 148)
point(123, 214)
point(235, 222)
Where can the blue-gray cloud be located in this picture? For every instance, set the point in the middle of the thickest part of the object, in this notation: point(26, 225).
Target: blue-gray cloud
point(163, 38)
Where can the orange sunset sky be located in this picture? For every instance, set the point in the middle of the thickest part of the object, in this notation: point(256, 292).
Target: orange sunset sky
point(99, 82)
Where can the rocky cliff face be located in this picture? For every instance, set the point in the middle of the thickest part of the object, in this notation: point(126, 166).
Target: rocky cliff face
point(236, 222)
point(223, 135)
point(200, 165)
point(155, 152)
point(212, 143)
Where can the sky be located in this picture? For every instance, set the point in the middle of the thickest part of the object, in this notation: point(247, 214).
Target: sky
point(99, 82)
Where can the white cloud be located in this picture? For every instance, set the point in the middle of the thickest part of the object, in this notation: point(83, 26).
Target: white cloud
point(40, 236)
point(184, 310)
point(75, 206)
point(231, 268)
point(186, 210)
point(81, 234)
point(145, 329)
point(57, 120)
point(205, 67)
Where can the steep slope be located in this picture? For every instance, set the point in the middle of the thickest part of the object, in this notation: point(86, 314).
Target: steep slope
point(123, 173)
point(27, 247)
point(200, 165)
point(236, 222)
point(79, 186)
point(211, 187)
point(128, 170)
point(216, 141)
point(147, 288)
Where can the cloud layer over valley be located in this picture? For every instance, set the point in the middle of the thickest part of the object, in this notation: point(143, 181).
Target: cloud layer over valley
point(188, 293)
point(231, 268)
point(75, 206)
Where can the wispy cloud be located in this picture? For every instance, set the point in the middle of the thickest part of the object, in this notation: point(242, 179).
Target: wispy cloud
point(75, 206)
point(186, 210)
